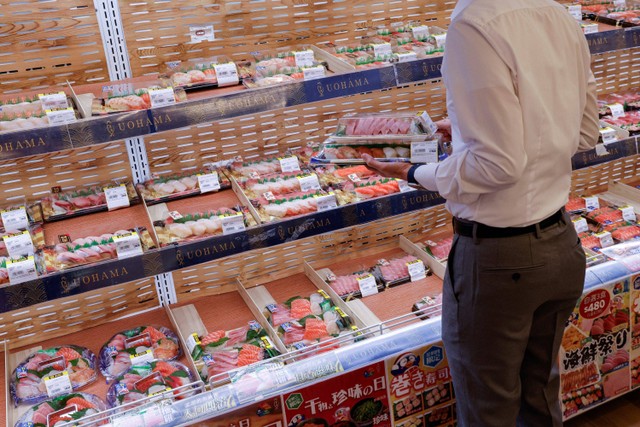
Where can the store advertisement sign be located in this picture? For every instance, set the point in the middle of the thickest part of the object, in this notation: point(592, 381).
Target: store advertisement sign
point(634, 357)
point(594, 353)
point(267, 413)
point(357, 398)
point(421, 393)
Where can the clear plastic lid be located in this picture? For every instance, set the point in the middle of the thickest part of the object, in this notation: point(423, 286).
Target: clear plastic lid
point(382, 125)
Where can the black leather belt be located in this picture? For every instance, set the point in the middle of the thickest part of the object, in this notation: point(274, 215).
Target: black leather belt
point(465, 228)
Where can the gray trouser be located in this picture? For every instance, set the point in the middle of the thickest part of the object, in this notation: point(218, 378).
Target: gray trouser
point(506, 301)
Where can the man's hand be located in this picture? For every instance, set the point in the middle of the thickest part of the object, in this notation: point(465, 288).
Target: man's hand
point(390, 170)
point(444, 127)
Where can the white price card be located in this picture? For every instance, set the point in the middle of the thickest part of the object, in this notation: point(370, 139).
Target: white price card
point(617, 110)
point(208, 182)
point(628, 213)
point(424, 152)
point(21, 270)
point(304, 58)
point(145, 356)
point(127, 245)
point(162, 97)
point(193, 341)
point(591, 203)
point(201, 33)
point(309, 182)
point(590, 28)
point(420, 32)
point(232, 223)
point(608, 135)
point(575, 10)
point(19, 244)
point(580, 225)
point(53, 101)
point(427, 119)
point(117, 197)
point(61, 116)
point(58, 384)
point(440, 40)
point(14, 220)
point(175, 215)
point(367, 285)
point(601, 150)
point(605, 238)
point(269, 196)
point(406, 56)
point(326, 202)
point(416, 270)
point(313, 73)
point(382, 50)
point(353, 177)
point(289, 164)
point(620, 4)
point(227, 74)
point(404, 186)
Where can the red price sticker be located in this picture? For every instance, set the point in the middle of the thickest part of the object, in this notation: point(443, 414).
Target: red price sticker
point(595, 303)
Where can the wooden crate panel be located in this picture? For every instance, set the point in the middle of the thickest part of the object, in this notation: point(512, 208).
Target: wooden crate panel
point(45, 43)
point(617, 70)
point(33, 177)
point(72, 314)
point(595, 179)
point(158, 31)
point(264, 265)
point(280, 129)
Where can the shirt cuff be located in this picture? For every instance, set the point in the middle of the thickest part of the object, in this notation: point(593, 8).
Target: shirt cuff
point(425, 175)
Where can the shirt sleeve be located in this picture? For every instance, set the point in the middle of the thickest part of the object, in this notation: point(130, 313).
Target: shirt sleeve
point(590, 125)
point(488, 115)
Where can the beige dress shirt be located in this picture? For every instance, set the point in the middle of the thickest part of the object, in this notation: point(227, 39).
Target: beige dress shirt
point(522, 101)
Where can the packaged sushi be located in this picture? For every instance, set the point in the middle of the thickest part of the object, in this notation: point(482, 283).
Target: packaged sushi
point(193, 75)
point(61, 410)
point(51, 372)
point(91, 249)
point(376, 187)
point(179, 227)
point(285, 65)
point(137, 346)
point(66, 204)
point(149, 379)
point(22, 243)
point(171, 187)
point(348, 286)
point(22, 269)
point(271, 208)
point(605, 215)
point(382, 126)
point(266, 166)
point(18, 217)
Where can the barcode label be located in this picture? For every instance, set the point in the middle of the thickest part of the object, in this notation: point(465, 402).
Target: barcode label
point(617, 110)
point(21, 270)
point(19, 244)
point(128, 245)
point(440, 40)
point(628, 213)
point(289, 164)
point(14, 220)
point(227, 74)
point(382, 50)
point(309, 182)
point(54, 101)
point(304, 58)
point(608, 135)
point(406, 56)
point(591, 203)
point(421, 32)
point(605, 238)
point(326, 202)
point(58, 384)
point(580, 225)
point(232, 223)
point(162, 97)
point(424, 152)
point(117, 197)
point(416, 270)
point(208, 182)
point(61, 116)
point(313, 73)
point(367, 285)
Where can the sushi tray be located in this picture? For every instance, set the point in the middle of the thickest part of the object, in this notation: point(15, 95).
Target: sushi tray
point(170, 187)
point(198, 217)
point(63, 379)
point(307, 320)
point(37, 110)
point(285, 66)
point(368, 292)
point(220, 344)
point(16, 217)
point(198, 75)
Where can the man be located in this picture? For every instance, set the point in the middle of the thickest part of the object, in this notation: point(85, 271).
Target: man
point(521, 100)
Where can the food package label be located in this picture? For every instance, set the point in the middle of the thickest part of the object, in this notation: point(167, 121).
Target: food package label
point(21, 270)
point(289, 164)
point(608, 135)
point(208, 182)
point(326, 202)
point(580, 225)
point(416, 270)
point(232, 223)
point(128, 245)
point(14, 220)
point(382, 50)
point(227, 74)
point(575, 10)
point(61, 116)
point(424, 152)
point(367, 285)
point(309, 182)
point(19, 244)
point(420, 32)
point(53, 101)
point(304, 58)
point(406, 56)
point(117, 197)
point(162, 97)
point(58, 384)
point(591, 203)
point(628, 213)
point(312, 73)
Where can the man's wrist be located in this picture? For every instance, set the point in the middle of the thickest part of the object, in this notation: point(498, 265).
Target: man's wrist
point(411, 179)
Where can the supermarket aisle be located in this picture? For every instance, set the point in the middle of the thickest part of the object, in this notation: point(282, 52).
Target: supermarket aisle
point(621, 412)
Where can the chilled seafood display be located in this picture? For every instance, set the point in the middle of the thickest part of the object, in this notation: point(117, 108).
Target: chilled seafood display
point(186, 227)
point(137, 345)
point(148, 379)
point(90, 249)
point(29, 381)
point(630, 121)
point(71, 203)
point(172, 187)
point(62, 410)
point(221, 351)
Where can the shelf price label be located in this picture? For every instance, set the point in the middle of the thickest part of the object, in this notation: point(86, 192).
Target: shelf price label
point(58, 384)
point(21, 269)
point(145, 356)
point(580, 225)
point(424, 152)
point(208, 182)
point(193, 341)
point(53, 101)
point(382, 50)
point(19, 244)
point(60, 116)
point(312, 73)
point(589, 28)
point(289, 164)
point(575, 10)
point(367, 285)
point(608, 135)
point(162, 97)
point(269, 196)
point(416, 270)
point(309, 182)
point(406, 56)
point(326, 202)
point(127, 245)
point(420, 32)
point(404, 186)
point(617, 110)
point(605, 238)
point(591, 203)
point(628, 213)
point(232, 223)
point(117, 197)
point(304, 58)
point(14, 219)
point(227, 74)
point(440, 40)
